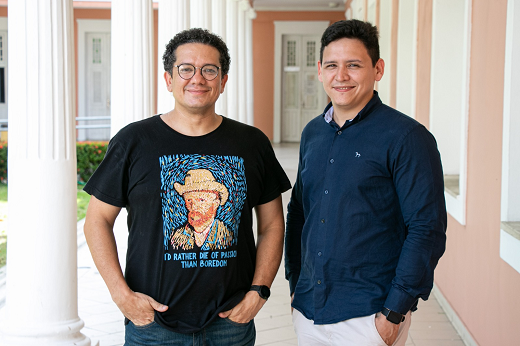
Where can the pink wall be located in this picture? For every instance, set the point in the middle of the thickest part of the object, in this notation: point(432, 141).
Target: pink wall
point(424, 50)
point(479, 285)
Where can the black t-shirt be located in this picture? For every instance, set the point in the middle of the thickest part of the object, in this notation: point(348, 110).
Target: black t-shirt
point(147, 169)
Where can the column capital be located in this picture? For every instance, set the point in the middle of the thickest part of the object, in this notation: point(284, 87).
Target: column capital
point(244, 5)
point(251, 13)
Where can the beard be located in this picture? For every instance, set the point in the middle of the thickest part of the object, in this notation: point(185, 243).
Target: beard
point(198, 219)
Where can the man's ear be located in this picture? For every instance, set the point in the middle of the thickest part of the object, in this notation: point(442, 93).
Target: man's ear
point(168, 78)
point(319, 71)
point(380, 69)
point(223, 83)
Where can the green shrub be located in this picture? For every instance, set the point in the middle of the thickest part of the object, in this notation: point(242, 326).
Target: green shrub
point(3, 162)
point(89, 155)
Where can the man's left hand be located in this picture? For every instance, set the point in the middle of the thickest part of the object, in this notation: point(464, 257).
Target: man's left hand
point(246, 310)
point(386, 329)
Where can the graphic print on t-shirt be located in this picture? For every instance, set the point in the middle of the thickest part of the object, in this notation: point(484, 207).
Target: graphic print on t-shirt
point(202, 200)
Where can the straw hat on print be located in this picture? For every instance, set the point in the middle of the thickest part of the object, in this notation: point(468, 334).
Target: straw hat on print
point(202, 180)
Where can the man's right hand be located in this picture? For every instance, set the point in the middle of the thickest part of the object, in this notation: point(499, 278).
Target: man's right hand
point(99, 232)
point(139, 308)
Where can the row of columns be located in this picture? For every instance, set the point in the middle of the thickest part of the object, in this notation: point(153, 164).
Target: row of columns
point(232, 21)
point(41, 306)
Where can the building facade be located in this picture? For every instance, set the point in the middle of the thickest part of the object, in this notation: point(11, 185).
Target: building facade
point(448, 64)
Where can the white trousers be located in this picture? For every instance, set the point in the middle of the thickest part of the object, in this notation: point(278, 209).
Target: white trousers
point(359, 331)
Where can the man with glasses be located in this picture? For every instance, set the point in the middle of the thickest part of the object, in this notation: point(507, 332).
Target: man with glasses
point(189, 179)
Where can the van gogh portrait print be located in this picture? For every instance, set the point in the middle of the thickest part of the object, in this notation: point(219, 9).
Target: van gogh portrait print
point(202, 200)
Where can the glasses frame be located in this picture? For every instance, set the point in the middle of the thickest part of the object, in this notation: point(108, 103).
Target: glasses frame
point(195, 71)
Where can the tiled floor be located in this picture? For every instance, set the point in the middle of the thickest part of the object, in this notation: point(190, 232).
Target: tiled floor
point(104, 323)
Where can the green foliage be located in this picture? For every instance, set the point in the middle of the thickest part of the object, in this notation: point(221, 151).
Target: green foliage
point(3, 193)
point(89, 155)
point(3, 223)
point(3, 250)
point(3, 162)
point(82, 199)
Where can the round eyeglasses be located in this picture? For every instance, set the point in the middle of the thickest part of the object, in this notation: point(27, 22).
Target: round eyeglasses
point(187, 71)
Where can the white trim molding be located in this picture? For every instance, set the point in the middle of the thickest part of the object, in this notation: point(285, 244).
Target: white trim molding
point(510, 203)
point(457, 323)
point(454, 154)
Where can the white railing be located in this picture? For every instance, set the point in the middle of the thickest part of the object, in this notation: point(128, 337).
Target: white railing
point(4, 122)
point(96, 126)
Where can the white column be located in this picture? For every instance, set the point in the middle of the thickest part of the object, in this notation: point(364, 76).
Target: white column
point(200, 14)
point(232, 43)
point(173, 18)
point(251, 14)
point(41, 296)
point(132, 59)
point(242, 80)
point(218, 26)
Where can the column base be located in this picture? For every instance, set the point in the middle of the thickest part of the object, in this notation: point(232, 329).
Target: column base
point(59, 334)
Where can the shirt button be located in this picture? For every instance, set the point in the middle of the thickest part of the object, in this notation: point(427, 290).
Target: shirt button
point(339, 132)
point(326, 192)
point(322, 220)
point(319, 282)
point(319, 253)
point(331, 160)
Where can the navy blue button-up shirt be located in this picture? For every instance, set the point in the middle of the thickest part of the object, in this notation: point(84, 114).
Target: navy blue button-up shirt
point(366, 224)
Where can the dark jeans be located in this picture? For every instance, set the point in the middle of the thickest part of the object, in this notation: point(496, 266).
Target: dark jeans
point(221, 332)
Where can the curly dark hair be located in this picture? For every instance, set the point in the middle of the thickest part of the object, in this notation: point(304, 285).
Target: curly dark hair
point(196, 35)
point(353, 28)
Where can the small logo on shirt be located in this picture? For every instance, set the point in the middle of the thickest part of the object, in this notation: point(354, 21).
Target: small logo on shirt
point(358, 154)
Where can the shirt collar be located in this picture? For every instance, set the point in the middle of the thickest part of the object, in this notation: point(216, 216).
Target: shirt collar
point(328, 113)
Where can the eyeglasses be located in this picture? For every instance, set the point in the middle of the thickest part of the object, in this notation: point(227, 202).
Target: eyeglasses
point(187, 71)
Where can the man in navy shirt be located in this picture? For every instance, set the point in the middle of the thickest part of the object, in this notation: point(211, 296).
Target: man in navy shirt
point(366, 224)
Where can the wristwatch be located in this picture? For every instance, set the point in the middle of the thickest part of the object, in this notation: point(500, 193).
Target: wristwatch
point(263, 291)
point(393, 316)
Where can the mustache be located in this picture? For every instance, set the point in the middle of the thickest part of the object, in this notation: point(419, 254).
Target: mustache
point(194, 215)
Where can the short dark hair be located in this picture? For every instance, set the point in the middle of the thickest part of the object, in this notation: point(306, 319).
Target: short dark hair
point(196, 35)
point(356, 29)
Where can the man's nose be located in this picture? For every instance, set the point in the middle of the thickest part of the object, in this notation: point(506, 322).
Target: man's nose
point(342, 73)
point(197, 77)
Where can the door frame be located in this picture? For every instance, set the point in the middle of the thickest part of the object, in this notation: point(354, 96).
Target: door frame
point(84, 26)
point(288, 28)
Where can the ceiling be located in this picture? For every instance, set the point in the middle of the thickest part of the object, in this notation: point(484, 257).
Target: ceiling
point(281, 5)
point(299, 5)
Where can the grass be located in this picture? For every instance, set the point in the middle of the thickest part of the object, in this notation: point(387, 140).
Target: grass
point(3, 226)
point(82, 198)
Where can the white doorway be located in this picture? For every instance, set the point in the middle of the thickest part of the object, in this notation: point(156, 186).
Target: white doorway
point(306, 83)
point(94, 59)
point(303, 97)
